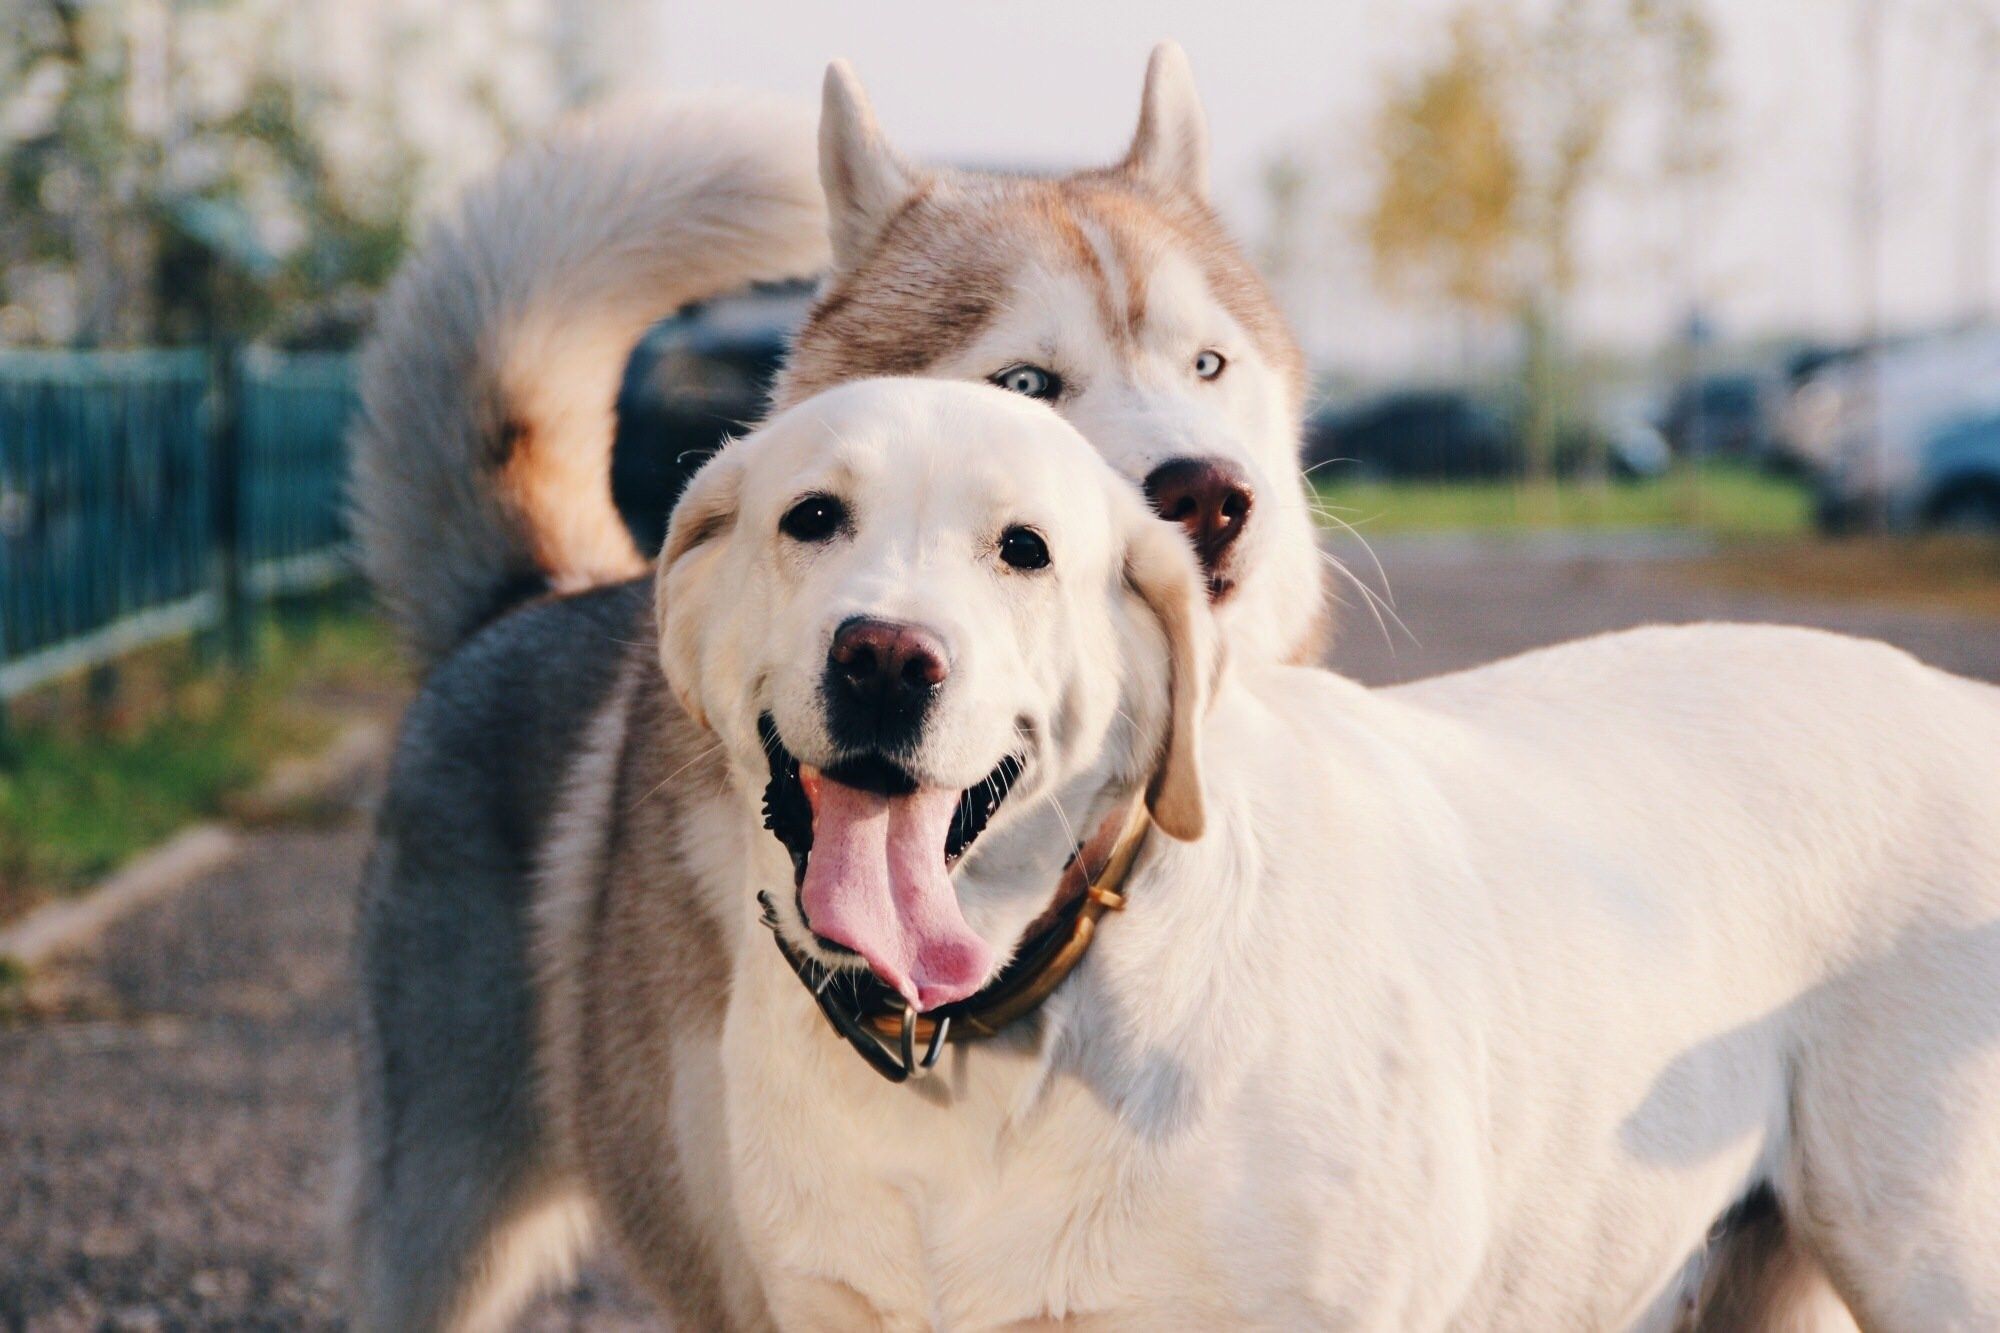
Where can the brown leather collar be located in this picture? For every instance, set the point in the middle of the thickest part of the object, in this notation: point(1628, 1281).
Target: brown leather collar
point(887, 1031)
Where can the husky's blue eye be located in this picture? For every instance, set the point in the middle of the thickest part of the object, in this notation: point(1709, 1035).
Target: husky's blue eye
point(1030, 381)
point(1209, 364)
point(814, 519)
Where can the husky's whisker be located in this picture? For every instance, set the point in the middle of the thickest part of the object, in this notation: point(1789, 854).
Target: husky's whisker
point(1325, 462)
point(1377, 603)
point(662, 784)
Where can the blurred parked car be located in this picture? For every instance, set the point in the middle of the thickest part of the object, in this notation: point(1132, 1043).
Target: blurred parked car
point(692, 381)
point(1954, 483)
point(1958, 481)
point(1723, 415)
point(1633, 444)
point(1803, 421)
point(1870, 421)
point(1453, 435)
point(1413, 434)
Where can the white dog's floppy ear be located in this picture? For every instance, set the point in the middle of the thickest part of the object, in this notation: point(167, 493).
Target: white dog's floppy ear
point(705, 514)
point(1170, 150)
point(1161, 569)
point(864, 180)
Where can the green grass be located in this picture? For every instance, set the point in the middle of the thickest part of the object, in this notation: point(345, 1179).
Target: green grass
point(88, 777)
point(1723, 501)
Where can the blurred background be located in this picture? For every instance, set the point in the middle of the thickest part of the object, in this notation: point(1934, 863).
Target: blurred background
point(1618, 310)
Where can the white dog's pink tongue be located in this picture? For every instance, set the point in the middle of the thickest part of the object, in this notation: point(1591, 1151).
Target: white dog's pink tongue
point(876, 882)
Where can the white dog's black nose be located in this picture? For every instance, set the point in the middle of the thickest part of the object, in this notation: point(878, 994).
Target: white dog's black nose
point(880, 678)
point(1211, 498)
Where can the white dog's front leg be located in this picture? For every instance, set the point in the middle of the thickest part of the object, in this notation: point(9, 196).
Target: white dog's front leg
point(832, 1246)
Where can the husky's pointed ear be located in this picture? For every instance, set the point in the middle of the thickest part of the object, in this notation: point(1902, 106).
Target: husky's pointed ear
point(685, 583)
point(864, 180)
point(1161, 569)
point(1170, 150)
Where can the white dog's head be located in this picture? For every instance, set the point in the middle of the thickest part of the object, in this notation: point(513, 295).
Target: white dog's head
point(919, 613)
point(1117, 297)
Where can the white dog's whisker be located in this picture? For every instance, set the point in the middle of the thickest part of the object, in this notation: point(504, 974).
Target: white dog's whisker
point(1062, 817)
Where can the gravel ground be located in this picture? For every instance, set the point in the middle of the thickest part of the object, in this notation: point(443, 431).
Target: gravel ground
point(167, 1123)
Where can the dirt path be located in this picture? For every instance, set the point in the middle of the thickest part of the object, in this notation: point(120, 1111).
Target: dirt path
point(166, 1129)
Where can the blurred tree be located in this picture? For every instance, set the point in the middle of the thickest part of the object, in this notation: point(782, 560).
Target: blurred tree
point(178, 170)
point(1489, 156)
point(1980, 26)
point(1285, 182)
point(1445, 223)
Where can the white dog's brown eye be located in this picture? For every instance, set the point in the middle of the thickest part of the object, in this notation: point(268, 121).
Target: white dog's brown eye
point(1030, 382)
point(1023, 548)
point(1209, 364)
point(814, 519)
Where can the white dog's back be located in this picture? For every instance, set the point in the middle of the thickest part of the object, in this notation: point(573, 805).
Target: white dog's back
point(1480, 1003)
point(1738, 866)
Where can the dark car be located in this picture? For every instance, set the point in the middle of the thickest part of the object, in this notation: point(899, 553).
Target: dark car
point(1958, 477)
point(1454, 435)
point(1950, 482)
point(1426, 433)
point(1725, 415)
point(693, 381)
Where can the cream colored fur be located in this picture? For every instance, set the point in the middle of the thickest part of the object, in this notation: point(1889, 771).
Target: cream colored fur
point(1475, 1004)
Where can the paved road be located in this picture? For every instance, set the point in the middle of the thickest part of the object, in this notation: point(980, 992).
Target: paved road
point(166, 1129)
point(1467, 601)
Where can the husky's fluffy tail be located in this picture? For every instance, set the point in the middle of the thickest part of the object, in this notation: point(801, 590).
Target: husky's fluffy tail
point(482, 456)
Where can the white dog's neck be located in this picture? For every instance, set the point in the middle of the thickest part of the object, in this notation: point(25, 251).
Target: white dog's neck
point(1157, 977)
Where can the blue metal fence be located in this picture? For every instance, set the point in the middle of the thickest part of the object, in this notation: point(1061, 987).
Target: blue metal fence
point(292, 459)
point(150, 494)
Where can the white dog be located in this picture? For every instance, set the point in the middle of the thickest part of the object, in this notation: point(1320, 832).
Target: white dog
point(482, 471)
point(1469, 1004)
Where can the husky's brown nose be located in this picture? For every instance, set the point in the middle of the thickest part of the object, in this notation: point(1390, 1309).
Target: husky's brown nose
point(1210, 497)
point(885, 670)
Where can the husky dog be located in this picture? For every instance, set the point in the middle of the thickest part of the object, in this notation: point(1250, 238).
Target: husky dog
point(482, 484)
point(1467, 1004)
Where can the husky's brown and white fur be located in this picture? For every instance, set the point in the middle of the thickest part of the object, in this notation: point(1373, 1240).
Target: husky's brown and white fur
point(482, 479)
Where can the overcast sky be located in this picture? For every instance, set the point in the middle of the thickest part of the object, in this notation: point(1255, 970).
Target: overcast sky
point(1035, 82)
